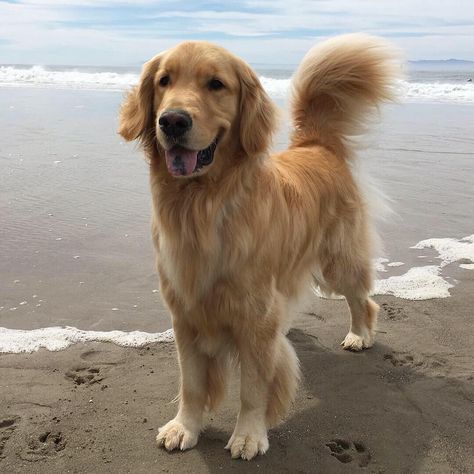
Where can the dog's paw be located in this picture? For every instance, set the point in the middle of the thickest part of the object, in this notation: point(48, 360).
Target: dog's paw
point(247, 446)
point(174, 435)
point(354, 342)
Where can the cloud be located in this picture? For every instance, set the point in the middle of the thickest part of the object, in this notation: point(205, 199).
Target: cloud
point(119, 32)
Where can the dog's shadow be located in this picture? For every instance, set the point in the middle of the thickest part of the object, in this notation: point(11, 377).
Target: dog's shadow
point(376, 411)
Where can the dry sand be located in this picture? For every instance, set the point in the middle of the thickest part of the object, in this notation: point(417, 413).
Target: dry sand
point(405, 406)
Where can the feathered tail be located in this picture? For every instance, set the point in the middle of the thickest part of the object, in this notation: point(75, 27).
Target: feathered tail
point(338, 86)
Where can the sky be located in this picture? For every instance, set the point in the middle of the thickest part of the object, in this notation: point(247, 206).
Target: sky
point(273, 32)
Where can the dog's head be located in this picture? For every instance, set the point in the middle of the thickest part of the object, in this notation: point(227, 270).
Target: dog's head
point(196, 103)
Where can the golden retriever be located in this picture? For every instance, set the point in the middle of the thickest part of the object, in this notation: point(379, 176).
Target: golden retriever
point(239, 233)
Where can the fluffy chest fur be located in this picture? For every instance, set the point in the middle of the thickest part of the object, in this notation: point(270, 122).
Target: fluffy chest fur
point(202, 234)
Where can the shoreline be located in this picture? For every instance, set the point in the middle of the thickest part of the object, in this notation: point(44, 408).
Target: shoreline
point(417, 283)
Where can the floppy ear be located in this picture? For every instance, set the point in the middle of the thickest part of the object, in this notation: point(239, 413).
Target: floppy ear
point(257, 113)
point(136, 114)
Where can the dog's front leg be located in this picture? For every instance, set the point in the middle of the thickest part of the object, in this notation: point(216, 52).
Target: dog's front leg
point(250, 434)
point(183, 431)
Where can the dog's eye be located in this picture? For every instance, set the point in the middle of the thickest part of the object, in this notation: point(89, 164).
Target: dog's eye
point(215, 85)
point(164, 81)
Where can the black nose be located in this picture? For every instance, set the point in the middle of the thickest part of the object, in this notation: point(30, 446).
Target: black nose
point(175, 123)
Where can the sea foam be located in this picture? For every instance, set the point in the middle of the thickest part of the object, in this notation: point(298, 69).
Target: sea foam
point(59, 338)
point(38, 76)
point(425, 282)
point(450, 250)
point(418, 283)
point(278, 88)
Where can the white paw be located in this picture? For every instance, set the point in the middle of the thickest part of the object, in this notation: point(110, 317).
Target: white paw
point(247, 446)
point(354, 342)
point(175, 435)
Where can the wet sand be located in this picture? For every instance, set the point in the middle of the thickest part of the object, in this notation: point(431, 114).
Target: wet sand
point(407, 405)
point(75, 204)
point(70, 188)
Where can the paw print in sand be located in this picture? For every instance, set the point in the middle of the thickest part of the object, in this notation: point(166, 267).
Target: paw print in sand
point(349, 451)
point(84, 375)
point(7, 426)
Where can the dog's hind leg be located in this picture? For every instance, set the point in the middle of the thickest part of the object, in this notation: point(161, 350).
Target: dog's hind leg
point(363, 321)
point(350, 274)
point(354, 282)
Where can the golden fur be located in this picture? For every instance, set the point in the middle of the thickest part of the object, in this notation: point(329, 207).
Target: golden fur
point(239, 240)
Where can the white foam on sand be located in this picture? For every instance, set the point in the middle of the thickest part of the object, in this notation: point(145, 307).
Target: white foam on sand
point(418, 283)
point(380, 264)
point(58, 338)
point(422, 283)
point(450, 250)
point(427, 282)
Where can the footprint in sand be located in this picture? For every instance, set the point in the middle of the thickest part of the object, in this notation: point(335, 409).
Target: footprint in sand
point(7, 427)
point(47, 443)
point(84, 375)
point(102, 357)
point(91, 355)
point(349, 451)
point(393, 313)
point(403, 359)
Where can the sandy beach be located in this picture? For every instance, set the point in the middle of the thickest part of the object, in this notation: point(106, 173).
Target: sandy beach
point(75, 251)
point(405, 406)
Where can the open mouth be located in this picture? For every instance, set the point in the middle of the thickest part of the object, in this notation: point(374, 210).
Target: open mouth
point(184, 162)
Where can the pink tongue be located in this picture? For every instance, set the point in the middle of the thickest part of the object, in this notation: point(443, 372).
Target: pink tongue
point(181, 161)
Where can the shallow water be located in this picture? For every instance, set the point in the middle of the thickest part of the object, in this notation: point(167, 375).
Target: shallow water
point(75, 207)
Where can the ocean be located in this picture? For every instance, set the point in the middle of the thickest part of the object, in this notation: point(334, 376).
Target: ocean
point(441, 81)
